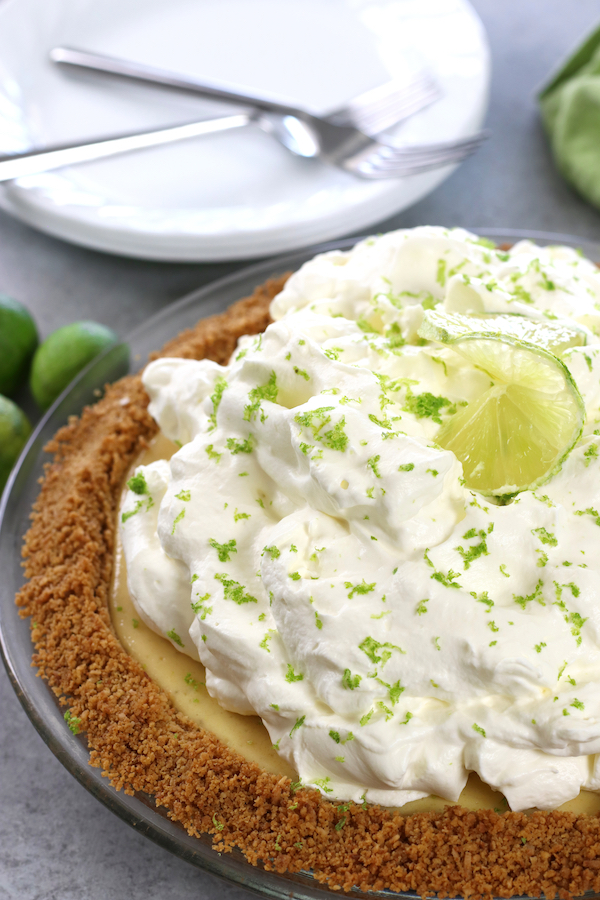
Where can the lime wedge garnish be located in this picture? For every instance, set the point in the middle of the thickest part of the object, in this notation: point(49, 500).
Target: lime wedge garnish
point(556, 336)
point(519, 431)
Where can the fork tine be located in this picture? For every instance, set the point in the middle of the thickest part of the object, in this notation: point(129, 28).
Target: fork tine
point(387, 104)
point(417, 152)
point(384, 164)
point(430, 160)
point(404, 171)
point(375, 167)
point(373, 122)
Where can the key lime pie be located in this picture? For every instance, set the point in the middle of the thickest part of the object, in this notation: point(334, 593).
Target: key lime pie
point(371, 520)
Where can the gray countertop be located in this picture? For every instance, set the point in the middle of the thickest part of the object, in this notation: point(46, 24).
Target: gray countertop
point(56, 841)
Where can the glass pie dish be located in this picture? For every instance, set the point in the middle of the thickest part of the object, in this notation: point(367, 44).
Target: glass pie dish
point(38, 701)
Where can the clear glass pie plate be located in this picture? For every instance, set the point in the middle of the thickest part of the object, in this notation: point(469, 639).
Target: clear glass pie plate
point(39, 702)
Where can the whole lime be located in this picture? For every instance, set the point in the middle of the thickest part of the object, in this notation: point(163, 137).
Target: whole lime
point(62, 355)
point(18, 340)
point(14, 431)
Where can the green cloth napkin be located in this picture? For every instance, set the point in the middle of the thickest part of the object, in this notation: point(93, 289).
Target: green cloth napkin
point(570, 107)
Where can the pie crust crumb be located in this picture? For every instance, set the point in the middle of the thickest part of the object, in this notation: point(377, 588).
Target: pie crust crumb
point(143, 744)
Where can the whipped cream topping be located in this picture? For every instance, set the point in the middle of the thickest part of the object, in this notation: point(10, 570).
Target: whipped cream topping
point(322, 557)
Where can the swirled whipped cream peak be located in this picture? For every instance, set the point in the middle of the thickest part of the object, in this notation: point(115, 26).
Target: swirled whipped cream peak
point(323, 557)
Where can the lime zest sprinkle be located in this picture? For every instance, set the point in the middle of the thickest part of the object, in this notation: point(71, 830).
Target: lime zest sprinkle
point(316, 420)
point(536, 595)
point(172, 635)
point(427, 405)
point(127, 515)
point(479, 729)
point(372, 464)
point(216, 397)
point(323, 784)
point(73, 722)
point(335, 736)
point(350, 681)
point(291, 675)
point(273, 551)
point(297, 724)
point(376, 651)
point(365, 719)
point(362, 588)
point(191, 681)
point(448, 580)
point(137, 484)
point(590, 511)
point(177, 519)
point(212, 453)
point(259, 393)
point(546, 537)
point(590, 454)
point(265, 646)
point(245, 446)
point(232, 590)
point(383, 422)
point(223, 550)
point(198, 607)
point(472, 553)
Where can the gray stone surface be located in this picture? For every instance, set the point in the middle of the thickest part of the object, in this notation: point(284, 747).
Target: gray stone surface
point(56, 841)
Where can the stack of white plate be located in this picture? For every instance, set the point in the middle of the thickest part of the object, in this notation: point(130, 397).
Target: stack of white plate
point(238, 194)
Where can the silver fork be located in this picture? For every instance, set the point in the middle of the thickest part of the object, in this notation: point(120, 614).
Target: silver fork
point(342, 145)
point(344, 137)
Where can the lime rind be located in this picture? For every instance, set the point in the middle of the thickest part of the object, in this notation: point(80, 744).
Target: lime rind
point(518, 433)
point(555, 336)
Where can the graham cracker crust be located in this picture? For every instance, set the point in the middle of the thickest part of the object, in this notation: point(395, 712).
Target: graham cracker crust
point(143, 744)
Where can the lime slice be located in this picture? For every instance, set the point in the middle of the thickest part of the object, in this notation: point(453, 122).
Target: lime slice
point(14, 431)
point(555, 336)
point(518, 432)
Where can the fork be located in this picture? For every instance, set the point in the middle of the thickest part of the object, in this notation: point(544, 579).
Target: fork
point(341, 145)
point(344, 138)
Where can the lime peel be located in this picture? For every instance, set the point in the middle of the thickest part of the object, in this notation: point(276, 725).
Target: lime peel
point(63, 355)
point(557, 337)
point(14, 431)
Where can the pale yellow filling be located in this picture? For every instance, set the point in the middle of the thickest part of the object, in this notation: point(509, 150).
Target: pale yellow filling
point(183, 680)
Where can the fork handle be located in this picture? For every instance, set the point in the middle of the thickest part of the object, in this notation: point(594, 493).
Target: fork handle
point(34, 161)
point(123, 68)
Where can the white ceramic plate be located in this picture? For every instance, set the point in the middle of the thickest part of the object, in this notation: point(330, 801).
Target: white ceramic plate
point(238, 194)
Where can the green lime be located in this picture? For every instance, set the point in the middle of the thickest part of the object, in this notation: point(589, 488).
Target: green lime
point(18, 340)
point(518, 432)
point(62, 355)
point(14, 431)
